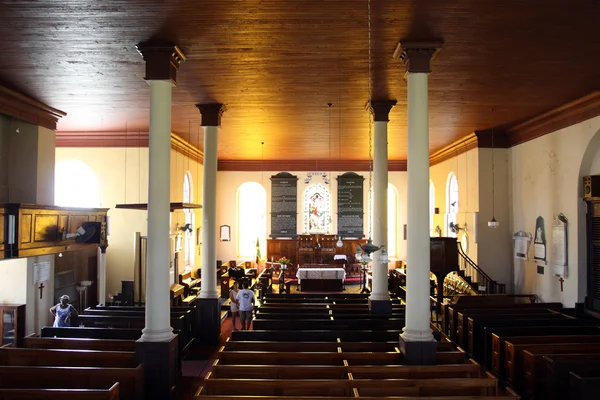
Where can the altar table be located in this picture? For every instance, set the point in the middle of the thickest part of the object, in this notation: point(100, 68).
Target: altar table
point(321, 279)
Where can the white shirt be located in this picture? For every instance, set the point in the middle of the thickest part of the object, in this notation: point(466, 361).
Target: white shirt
point(246, 298)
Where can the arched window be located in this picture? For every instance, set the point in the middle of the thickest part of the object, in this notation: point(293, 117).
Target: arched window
point(75, 185)
point(451, 203)
point(317, 213)
point(392, 225)
point(251, 218)
point(189, 219)
point(431, 207)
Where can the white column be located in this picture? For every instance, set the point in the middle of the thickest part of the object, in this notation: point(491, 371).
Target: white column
point(380, 186)
point(417, 277)
point(208, 287)
point(158, 325)
point(102, 275)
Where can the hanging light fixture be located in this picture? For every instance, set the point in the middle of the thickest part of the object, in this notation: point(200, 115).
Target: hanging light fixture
point(369, 247)
point(493, 223)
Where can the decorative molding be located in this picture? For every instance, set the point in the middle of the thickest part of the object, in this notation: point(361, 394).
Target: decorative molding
point(211, 113)
point(460, 146)
point(162, 60)
point(102, 139)
point(124, 139)
point(564, 116)
point(417, 56)
point(380, 109)
point(187, 149)
point(304, 165)
point(26, 109)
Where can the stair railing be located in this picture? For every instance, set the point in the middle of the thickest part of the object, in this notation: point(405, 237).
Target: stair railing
point(480, 280)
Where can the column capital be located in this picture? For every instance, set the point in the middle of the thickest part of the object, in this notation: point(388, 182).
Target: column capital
point(162, 60)
point(211, 113)
point(417, 56)
point(380, 109)
point(103, 248)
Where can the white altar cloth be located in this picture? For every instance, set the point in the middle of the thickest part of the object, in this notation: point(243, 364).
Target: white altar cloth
point(320, 273)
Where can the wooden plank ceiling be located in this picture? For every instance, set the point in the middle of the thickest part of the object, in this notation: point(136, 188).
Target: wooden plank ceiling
point(277, 63)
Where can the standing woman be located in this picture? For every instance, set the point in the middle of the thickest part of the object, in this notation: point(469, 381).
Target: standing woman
point(234, 303)
point(63, 312)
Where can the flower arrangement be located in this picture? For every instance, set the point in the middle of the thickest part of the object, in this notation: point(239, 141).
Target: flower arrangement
point(283, 260)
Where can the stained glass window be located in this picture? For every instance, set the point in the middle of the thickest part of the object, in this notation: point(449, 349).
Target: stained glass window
point(317, 209)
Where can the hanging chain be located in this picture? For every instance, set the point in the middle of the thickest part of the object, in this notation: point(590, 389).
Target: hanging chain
point(370, 127)
point(493, 183)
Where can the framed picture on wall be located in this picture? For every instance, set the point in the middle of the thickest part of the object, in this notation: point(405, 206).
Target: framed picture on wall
point(225, 233)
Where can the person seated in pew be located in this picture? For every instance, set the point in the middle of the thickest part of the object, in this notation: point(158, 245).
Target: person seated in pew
point(63, 312)
point(245, 301)
point(234, 303)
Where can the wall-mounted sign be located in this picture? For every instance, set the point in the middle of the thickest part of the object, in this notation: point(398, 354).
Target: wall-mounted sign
point(284, 211)
point(350, 205)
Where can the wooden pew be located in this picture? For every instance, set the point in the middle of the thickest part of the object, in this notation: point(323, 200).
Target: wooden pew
point(318, 296)
point(92, 333)
point(535, 370)
point(318, 336)
point(426, 387)
point(276, 387)
point(34, 342)
point(584, 385)
point(462, 327)
point(190, 284)
point(477, 335)
point(131, 380)
point(558, 367)
point(307, 358)
point(181, 324)
point(200, 395)
point(333, 324)
point(416, 371)
point(309, 346)
point(566, 344)
point(279, 372)
point(450, 312)
point(64, 394)
point(67, 358)
point(495, 337)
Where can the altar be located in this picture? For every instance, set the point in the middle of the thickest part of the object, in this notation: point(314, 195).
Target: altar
point(321, 279)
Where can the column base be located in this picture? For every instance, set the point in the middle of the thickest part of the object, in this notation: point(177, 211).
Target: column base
point(161, 368)
point(209, 317)
point(380, 306)
point(418, 352)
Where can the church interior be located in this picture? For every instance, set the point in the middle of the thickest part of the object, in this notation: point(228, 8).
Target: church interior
point(401, 198)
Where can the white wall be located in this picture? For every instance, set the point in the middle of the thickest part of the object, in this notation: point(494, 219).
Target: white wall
point(38, 310)
point(13, 277)
point(545, 176)
point(465, 167)
point(228, 183)
point(494, 244)
point(123, 178)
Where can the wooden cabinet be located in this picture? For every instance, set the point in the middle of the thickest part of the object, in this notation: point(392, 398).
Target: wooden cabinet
point(12, 324)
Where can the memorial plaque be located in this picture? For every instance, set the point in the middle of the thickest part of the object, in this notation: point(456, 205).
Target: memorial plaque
point(284, 205)
point(350, 205)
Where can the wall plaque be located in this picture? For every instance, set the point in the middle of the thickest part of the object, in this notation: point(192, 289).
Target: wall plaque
point(350, 205)
point(284, 205)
